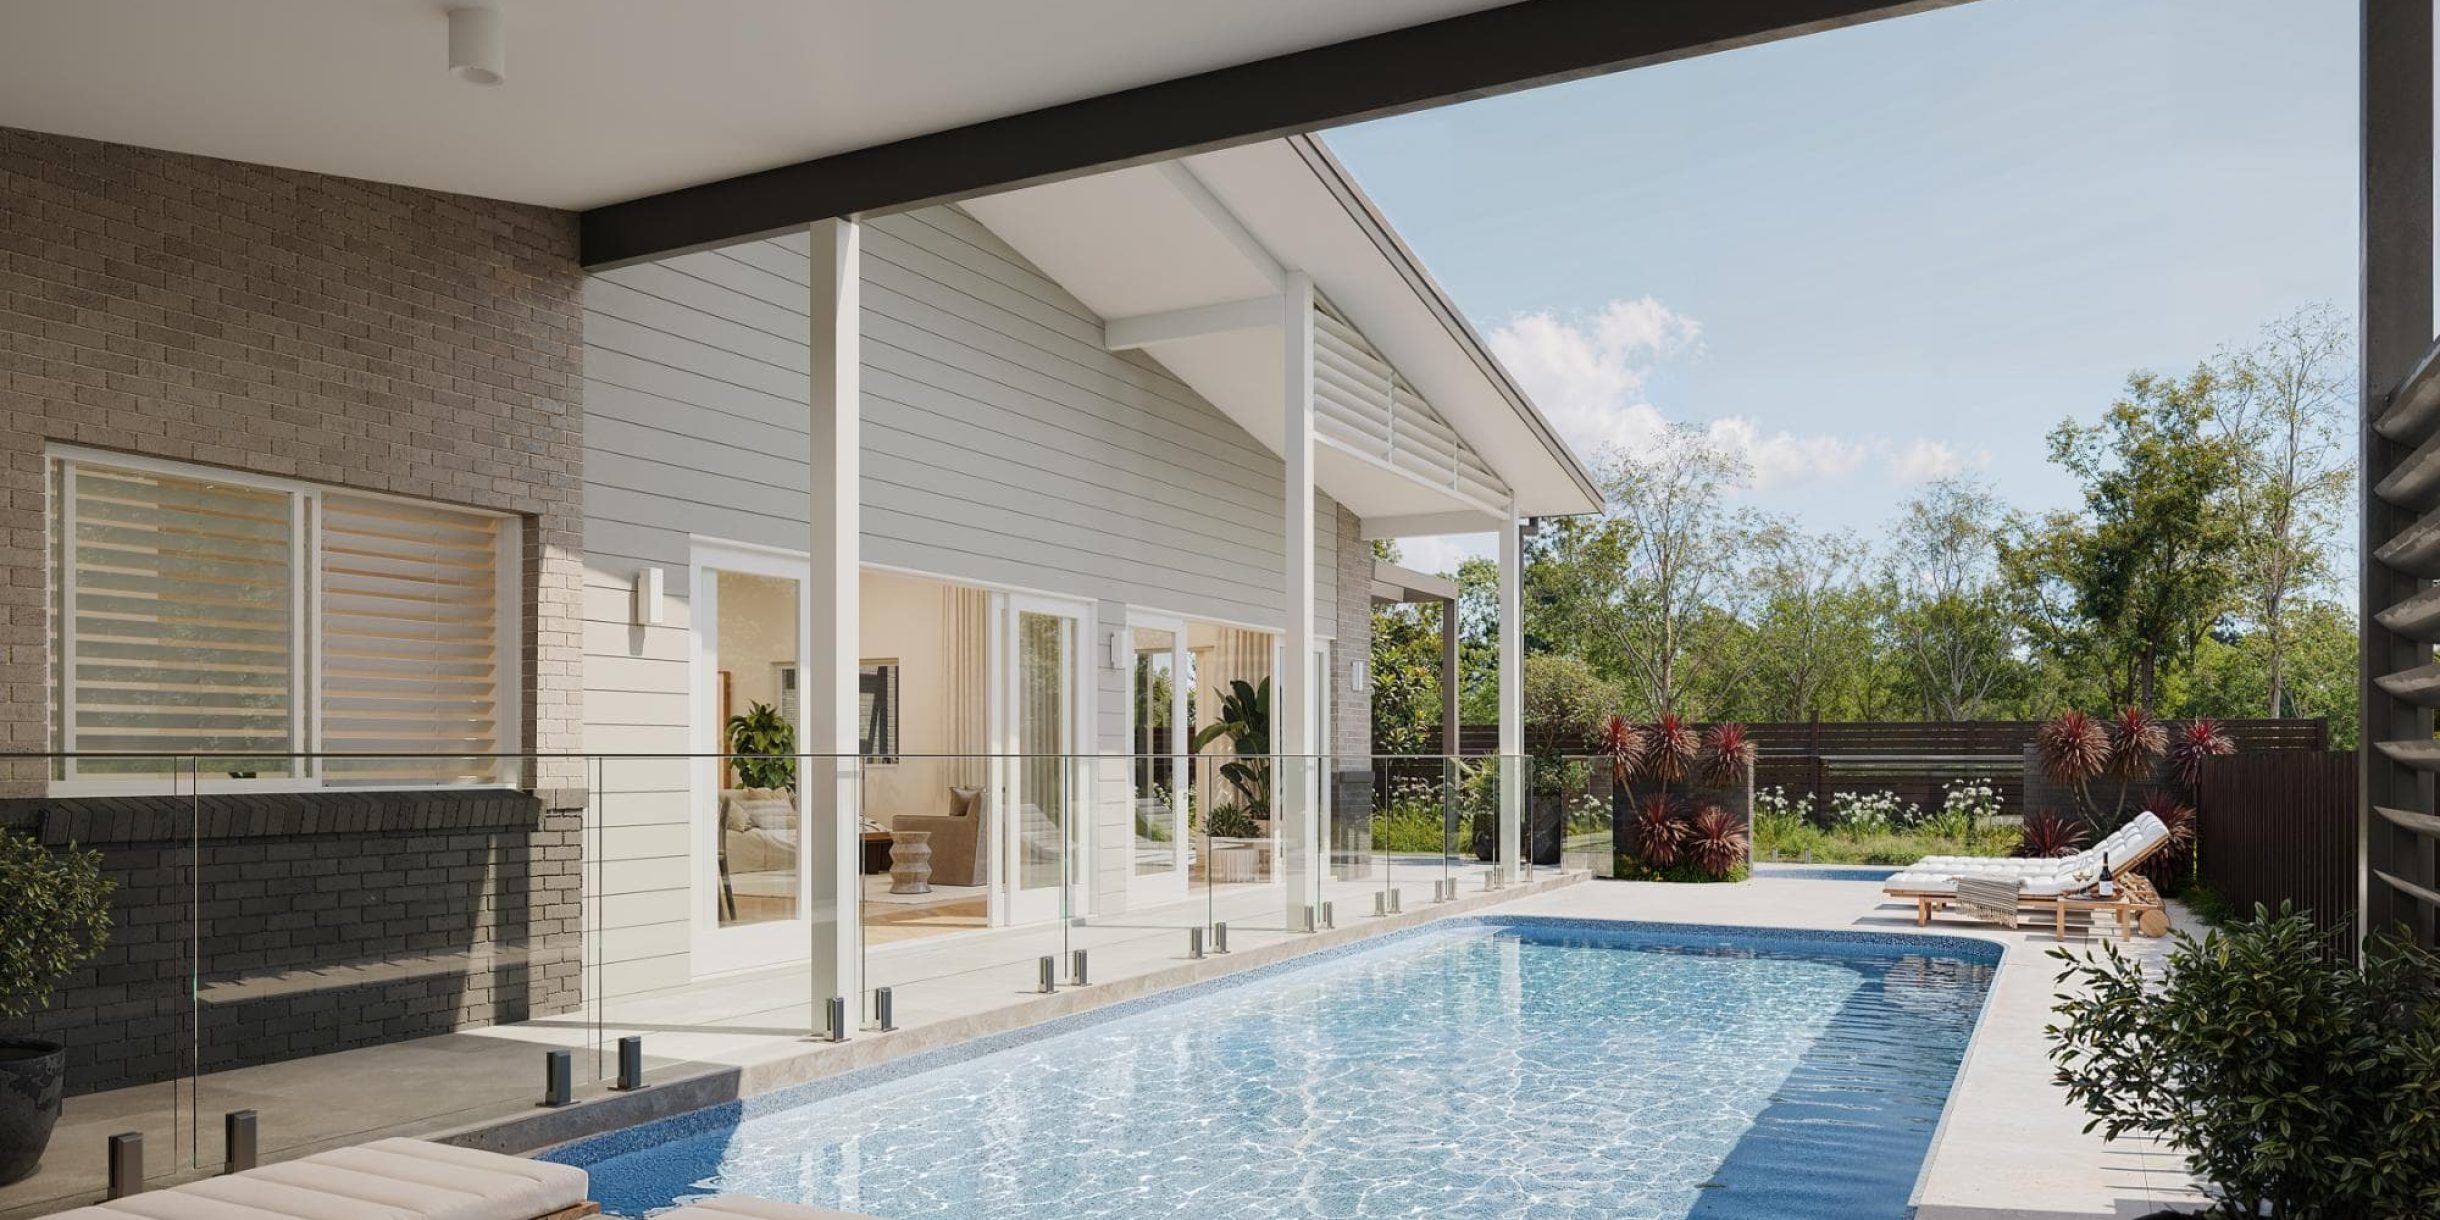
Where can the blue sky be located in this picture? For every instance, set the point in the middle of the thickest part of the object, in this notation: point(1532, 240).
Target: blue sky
point(1875, 256)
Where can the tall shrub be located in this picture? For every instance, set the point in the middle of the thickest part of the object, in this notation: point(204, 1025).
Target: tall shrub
point(54, 917)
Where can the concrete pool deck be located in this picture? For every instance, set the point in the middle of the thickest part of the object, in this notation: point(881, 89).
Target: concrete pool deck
point(2010, 1148)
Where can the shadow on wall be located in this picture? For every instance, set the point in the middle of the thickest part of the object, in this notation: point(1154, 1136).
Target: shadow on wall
point(310, 923)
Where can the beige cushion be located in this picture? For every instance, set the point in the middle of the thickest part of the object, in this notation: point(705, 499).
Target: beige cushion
point(764, 809)
point(961, 801)
point(733, 819)
point(732, 1207)
point(392, 1179)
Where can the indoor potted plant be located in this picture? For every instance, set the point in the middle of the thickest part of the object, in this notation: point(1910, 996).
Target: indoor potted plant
point(56, 918)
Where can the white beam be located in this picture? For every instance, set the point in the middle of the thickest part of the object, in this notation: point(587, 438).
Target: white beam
point(1298, 782)
point(1218, 216)
point(1428, 525)
point(1512, 696)
point(834, 405)
point(1120, 334)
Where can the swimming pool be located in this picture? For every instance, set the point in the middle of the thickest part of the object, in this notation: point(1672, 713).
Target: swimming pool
point(1492, 1067)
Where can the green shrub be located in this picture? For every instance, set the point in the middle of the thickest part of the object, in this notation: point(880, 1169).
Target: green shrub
point(1790, 837)
point(1229, 820)
point(1628, 868)
point(55, 918)
point(2291, 1082)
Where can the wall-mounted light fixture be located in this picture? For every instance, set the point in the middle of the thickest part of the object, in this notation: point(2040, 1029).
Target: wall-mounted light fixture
point(650, 610)
point(1117, 658)
point(1359, 673)
point(478, 46)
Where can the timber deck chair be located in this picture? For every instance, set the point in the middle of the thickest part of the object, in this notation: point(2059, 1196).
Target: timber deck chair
point(2051, 886)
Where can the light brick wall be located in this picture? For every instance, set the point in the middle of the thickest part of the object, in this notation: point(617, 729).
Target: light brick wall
point(326, 329)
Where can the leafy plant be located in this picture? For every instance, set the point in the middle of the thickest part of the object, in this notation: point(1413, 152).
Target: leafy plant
point(2073, 747)
point(2137, 742)
point(1714, 841)
point(2169, 867)
point(1670, 748)
point(764, 746)
point(56, 918)
point(1872, 812)
point(1659, 833)
point(1245, 720)
point(2200, 739)
point(2047, 834)
point(1728, 755)
point(1229, 820)
point(2297, 1086)
point(1625, 746)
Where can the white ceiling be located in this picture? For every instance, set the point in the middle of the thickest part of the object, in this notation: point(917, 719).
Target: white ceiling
point(610, 99)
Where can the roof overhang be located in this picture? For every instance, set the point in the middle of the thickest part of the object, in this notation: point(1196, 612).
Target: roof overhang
point(1393, 585)
point(1186, 258)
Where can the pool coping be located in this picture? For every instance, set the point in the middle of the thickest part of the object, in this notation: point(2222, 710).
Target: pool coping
point(593, 1149)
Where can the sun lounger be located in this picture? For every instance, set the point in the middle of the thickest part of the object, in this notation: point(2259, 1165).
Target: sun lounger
point(391, 1179)
point(2053, 885)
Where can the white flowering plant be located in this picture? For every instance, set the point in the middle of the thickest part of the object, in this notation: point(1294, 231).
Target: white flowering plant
point(1872, 812)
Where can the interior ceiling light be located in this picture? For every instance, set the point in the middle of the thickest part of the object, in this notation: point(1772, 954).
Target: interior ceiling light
point(478, 47)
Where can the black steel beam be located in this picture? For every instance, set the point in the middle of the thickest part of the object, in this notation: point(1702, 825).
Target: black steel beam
point(1516, 46)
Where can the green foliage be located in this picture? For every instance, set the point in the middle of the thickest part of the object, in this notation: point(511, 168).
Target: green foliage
point(765, 744)
point(2290, 1081)
point(1786, 836)
point(2126, 590)
point(1626, 867)
point(1245, 721)
point(1229, 820)
point(56, 918)
point(2317, 661)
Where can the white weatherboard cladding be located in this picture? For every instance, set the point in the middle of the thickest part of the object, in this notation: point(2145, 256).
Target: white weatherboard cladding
point(1002, 445)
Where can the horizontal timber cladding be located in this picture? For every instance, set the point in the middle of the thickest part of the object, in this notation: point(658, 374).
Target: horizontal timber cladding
point(2280, 827)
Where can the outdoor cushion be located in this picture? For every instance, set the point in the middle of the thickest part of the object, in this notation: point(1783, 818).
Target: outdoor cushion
point(733, 1207)
point(961, 801)
point(391, 1179)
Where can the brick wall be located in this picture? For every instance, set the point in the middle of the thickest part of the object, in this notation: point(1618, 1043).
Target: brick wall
point(1351, 709)
point(292, 324)
point(312, 923)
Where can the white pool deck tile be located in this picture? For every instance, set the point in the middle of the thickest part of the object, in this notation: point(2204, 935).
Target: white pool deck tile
point(2010, 1148)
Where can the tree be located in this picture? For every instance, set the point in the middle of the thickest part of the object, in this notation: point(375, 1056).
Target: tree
point(2130, 587)
point(1816, 627)
point(2288, 405)
point(1681, 595)
point(1947, 618)
point(2231, 674)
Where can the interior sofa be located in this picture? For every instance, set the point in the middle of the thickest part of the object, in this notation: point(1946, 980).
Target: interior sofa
point(961, 838)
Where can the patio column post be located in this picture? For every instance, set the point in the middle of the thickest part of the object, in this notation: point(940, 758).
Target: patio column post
point(2395, 318)
point(1512, 692)
point(833, 847)
point(1292, 789)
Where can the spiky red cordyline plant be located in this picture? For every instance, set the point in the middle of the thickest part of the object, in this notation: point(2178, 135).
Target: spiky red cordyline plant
point(2137, 741)
point(1659, 833)
point(1715, 841)
point(1672, 745)
point(1625, 746)
point(2200, 739)
point(1728, 754)
point(2074, 748)
point(2175, 859)
point(2048, 834)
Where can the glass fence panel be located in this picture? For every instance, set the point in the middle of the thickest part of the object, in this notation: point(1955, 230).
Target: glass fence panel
point(366, 960)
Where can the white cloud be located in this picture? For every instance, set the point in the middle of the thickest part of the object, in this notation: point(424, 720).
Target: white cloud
point(1588, 375)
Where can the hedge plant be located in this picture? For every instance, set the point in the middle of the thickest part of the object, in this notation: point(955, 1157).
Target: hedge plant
point(54, 917)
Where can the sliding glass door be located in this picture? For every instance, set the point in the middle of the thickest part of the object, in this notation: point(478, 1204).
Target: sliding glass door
point(1040, 773)
point(1157, 685)
point(749, 883)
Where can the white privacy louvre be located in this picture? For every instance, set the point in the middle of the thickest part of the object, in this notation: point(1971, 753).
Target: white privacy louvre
point(1363, 406)
point(411, 641)
point(176, 622)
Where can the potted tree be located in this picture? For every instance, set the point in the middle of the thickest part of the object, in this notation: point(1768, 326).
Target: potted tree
point(56, 918)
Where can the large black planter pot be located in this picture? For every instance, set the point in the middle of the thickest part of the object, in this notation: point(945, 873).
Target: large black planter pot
point(31, 1076)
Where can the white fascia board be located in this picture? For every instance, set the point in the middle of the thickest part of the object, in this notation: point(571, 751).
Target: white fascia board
point(1140, 330)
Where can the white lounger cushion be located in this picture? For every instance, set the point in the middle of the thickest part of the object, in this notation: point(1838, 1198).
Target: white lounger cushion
point(731, 1207)
point(392, 1179)
point(2044, 878)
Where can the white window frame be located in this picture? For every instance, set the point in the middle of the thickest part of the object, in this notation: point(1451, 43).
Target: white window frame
point(306, 522)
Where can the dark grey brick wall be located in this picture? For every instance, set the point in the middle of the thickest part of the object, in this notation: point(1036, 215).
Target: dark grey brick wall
point(313, 923)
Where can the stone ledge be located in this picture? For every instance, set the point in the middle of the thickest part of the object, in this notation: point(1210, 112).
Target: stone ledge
point(121, 820)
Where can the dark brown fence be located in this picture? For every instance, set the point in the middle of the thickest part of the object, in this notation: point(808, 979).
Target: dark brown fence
point(1913, 759)
point(2280, 826)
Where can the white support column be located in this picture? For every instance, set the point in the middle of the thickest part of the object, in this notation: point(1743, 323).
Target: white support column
point(1294, 786)
point(1512, 694)
point(834, 407)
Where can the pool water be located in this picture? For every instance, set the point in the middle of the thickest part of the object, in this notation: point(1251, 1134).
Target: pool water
point(1560, 1070)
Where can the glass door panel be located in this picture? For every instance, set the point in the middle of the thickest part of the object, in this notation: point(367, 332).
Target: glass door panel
point(749, 616)
point(1157, 713)
point(1042, 797)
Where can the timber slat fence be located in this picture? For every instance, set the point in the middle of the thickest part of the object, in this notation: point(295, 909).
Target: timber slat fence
point(1913, 759)
point(2280, 826)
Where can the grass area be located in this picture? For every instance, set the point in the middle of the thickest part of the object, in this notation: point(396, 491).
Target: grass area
point(1792, 838)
